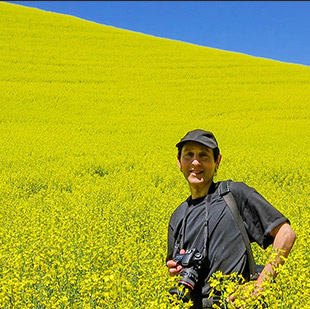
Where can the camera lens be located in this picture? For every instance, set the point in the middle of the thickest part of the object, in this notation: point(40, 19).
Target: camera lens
point(189, 277)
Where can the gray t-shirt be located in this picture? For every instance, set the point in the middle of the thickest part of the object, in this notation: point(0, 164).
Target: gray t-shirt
point(224, 248)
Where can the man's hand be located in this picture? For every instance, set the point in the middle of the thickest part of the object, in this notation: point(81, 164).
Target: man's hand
point(246, 293)
point(173, 267)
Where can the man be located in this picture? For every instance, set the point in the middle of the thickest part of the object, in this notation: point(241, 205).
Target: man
point(217, 236)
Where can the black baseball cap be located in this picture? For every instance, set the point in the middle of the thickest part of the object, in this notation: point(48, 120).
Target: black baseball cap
point(205, 138)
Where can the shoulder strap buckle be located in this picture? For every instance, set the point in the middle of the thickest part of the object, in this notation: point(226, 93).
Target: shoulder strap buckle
point(224, 187)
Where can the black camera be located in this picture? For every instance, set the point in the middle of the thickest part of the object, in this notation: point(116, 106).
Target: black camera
point(191, 262)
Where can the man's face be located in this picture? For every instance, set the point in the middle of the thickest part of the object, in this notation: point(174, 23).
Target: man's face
point(197, 163)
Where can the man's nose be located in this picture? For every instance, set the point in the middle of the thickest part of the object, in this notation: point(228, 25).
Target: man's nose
point(195, 162)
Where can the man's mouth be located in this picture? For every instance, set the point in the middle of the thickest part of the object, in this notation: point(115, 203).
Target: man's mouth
point(195, 172)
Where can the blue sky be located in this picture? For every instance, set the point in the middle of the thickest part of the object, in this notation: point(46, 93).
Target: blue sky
point(277, 30)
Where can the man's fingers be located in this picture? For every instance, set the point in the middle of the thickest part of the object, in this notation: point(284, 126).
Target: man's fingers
point(175, 271)
point(171, 263)
point(173, 267)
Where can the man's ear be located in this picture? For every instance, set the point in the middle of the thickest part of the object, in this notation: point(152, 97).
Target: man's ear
point(218, 161)
point(179, 163)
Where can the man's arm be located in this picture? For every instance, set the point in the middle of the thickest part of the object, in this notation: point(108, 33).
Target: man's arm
point(284, 238)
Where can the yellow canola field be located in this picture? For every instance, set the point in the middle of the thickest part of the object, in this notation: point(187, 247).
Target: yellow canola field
point(90, 116)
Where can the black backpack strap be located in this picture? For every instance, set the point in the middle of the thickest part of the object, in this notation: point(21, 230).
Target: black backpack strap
point(228, 197)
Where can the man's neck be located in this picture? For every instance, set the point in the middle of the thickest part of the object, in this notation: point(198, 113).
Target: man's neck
point(199, 191)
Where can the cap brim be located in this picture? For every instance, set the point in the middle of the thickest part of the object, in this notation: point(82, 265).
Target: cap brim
point(192, 140)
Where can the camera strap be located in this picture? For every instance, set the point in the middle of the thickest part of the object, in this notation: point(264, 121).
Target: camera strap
point(183, 229)
point(179, 244)
point(205, 243)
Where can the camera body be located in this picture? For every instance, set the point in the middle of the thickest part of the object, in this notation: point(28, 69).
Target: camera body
point(191, 262)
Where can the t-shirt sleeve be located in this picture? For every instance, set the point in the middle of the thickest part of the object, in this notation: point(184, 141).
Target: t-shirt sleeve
point(259, 216)
point(175, 224)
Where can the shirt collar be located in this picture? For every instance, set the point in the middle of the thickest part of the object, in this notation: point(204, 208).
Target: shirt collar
point(198, 200)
